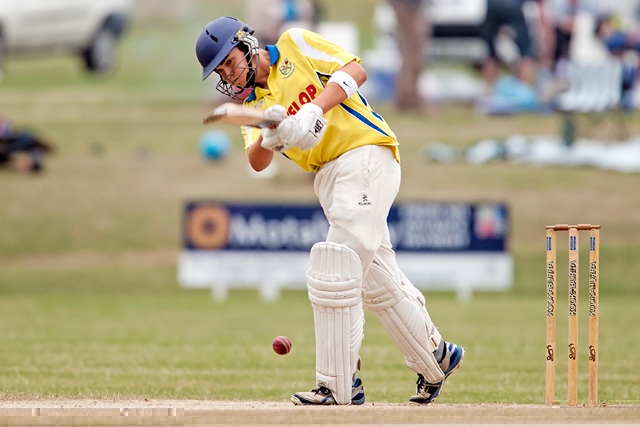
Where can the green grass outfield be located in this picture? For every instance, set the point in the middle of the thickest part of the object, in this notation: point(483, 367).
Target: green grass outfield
point(75, 336)
point(90, 306)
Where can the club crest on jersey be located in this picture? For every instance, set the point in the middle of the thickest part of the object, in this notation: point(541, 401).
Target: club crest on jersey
point(287, 68)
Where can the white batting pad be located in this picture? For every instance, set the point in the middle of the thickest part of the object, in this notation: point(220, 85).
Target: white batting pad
point(401, 309)
point(334, 281)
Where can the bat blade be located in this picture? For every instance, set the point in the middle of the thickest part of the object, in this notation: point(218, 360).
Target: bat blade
point(230, 113)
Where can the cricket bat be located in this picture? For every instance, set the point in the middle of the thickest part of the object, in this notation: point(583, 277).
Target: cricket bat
point(235, 114)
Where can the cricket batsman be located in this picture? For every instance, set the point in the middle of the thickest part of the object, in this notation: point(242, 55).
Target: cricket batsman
point(328, 128)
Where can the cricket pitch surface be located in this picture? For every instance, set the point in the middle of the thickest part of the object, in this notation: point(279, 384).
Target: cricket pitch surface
point(137, 412)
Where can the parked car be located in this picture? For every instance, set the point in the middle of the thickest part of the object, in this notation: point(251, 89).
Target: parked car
point(87, 28)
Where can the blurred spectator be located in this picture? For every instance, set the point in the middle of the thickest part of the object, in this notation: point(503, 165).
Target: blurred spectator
point(270, 18)
point(624, 45)
point(562, 17)
point(501, 14)
point(411, 31)
point(21, 150)
point(614, 38)
point(559, 19)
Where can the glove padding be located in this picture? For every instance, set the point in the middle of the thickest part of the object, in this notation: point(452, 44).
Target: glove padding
point(270, 139)
point(305, 129)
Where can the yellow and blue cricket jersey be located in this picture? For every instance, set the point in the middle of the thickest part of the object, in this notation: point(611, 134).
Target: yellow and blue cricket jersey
point(301, 64)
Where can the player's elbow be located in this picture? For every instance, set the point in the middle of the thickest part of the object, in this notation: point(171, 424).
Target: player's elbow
point(359, 74)
point(258, 166)
point(361, 77)
point(260, 163)
point(364, 79)
point(356, 71)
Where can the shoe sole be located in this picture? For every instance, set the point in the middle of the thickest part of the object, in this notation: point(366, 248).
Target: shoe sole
point(296, 401)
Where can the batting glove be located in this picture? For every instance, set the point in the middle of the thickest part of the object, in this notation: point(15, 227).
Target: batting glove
point(270, 139)
point(305, 129)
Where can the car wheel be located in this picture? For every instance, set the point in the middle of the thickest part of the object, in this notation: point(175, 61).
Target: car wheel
point(99, 57)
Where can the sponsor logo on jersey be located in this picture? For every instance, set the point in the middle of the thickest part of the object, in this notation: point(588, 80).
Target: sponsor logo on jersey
point(307, 95)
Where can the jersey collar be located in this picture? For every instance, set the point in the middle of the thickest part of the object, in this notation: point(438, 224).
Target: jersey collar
point(274, 54)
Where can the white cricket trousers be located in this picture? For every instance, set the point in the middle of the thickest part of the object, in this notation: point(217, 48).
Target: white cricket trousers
point(356, 192)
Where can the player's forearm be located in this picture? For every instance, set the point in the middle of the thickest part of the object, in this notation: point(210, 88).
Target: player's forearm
point(331, 96)
point(259, 157)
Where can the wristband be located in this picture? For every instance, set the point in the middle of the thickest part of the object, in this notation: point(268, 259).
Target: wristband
point(345, 81)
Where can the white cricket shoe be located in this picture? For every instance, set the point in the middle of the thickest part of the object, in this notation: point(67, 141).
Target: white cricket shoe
point(451, 360)
point(323, 396)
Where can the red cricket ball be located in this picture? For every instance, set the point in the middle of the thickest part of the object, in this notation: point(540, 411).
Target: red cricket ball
point(281, 345)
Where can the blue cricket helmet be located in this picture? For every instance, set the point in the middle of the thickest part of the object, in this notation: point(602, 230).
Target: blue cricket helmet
point(217, 39)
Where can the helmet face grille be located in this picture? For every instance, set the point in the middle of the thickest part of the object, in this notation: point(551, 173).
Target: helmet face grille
point(232, 88)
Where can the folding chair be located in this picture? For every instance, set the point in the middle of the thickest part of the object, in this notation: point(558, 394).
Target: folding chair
point(595, 92)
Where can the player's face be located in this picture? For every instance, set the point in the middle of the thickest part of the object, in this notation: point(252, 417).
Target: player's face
point(233, 70)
